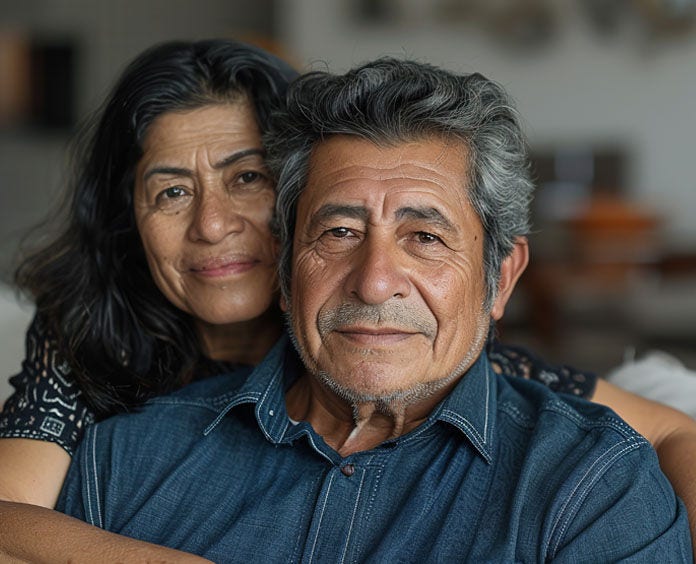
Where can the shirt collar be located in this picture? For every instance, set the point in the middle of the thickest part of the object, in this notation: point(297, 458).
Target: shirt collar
point(265, 387)
point(470, 406)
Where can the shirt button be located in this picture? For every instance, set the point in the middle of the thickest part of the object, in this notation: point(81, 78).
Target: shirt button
point(348, 470)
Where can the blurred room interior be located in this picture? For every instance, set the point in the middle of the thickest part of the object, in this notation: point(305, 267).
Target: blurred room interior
point(606, 89)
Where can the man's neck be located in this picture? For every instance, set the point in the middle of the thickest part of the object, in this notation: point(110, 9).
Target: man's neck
point(349, 428)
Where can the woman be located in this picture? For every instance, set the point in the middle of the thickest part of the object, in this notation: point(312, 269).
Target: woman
point(165, 270)
point(164, 273)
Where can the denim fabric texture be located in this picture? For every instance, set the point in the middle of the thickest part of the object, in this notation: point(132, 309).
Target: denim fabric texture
point(504, 470)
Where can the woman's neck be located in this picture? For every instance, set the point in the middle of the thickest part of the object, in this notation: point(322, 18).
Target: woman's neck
point(246, 342)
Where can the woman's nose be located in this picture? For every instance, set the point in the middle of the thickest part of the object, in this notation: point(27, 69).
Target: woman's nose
point(214, 218)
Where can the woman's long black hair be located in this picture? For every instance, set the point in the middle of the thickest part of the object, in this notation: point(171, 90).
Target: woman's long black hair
point(123, 340)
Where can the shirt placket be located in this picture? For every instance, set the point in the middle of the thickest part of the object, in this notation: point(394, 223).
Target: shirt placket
point(334, 530)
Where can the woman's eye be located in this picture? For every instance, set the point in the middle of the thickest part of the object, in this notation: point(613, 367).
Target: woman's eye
point(173, 197)
point(172, 193)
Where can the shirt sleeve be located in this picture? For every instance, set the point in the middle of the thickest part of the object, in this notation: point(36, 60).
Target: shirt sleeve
point(624, 510)
point(518, 361)
point(47, 404)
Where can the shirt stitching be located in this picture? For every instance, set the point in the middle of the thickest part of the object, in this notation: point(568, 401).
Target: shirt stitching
point(95, 476)
point(583, 489)
point(602, 422)
point(276, 376)
point(87, 474)
point(321, 518)
point(352, 518)
point(477, 439)
point(250, 397)
point(488, 395)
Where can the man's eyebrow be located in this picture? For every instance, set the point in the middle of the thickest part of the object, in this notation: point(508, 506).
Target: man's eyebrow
point(329, 211)
point(230, 159)
point(339, 210)
point(431, 215)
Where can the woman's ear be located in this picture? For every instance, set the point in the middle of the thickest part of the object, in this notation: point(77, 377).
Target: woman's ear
point(510, 271)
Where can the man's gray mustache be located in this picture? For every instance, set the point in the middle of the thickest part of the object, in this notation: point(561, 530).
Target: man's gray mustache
point(395, 314)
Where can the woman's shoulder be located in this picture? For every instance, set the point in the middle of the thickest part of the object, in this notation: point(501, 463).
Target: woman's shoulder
point(512, 360)
point(47, 403)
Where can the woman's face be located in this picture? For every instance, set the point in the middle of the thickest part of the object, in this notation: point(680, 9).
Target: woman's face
point(203, 202)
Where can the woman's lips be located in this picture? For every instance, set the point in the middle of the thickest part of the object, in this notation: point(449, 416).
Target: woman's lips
point(216, 268)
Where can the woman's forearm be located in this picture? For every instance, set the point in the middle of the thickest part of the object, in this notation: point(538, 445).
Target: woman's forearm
point(31, 474)
point(29, 533)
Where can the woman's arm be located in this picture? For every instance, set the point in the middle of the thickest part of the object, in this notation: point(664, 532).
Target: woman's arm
point(31, 475)
point(35, 534)
point(31, 471)
point(672, 434)
point(48, 407)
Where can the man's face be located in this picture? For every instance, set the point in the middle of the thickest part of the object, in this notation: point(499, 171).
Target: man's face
point(388, 291)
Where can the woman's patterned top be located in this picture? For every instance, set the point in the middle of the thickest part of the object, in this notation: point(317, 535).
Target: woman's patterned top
point(47, 404)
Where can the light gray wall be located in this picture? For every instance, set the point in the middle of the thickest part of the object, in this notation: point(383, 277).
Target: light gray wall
point(15, 316)
point(581, 87)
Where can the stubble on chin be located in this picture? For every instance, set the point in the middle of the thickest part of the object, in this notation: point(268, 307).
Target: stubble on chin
point(394, 402)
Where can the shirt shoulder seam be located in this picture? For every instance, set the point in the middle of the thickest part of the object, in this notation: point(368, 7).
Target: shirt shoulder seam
point(601, 465)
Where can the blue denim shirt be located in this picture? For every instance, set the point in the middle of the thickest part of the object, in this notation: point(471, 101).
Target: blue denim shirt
point(502, 471)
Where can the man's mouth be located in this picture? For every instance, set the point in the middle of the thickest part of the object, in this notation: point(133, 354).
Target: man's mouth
point(375, 336)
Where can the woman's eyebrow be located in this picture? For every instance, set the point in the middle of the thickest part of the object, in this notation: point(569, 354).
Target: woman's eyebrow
point(234, 157)
point(228, 160)
point(173, 170)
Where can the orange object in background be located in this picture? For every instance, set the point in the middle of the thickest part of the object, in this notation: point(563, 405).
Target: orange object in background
point(612, 230)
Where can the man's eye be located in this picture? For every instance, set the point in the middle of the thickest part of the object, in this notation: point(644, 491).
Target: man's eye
point(427, 238)
point(248, 177)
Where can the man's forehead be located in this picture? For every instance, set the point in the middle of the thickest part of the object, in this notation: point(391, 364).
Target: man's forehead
point(408, 173)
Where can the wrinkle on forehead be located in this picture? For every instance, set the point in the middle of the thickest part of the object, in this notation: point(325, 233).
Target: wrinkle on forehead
point(390, 161)
point(204, 136)
point(396, 181)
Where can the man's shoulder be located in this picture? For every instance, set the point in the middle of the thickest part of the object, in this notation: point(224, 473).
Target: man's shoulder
point(209, 393)
point(587, 471)
point(185, 411)
point(531, 404)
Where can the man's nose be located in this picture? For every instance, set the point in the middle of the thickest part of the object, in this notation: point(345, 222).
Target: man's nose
point(215, 216)
point(378, 273)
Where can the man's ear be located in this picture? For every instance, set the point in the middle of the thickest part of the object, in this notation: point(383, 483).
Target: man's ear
point(511, 270)
point(283, 304)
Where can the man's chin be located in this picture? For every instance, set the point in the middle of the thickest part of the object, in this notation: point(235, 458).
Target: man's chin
point(378, 389)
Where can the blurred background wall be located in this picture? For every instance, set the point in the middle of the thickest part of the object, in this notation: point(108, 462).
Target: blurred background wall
point(606, 88)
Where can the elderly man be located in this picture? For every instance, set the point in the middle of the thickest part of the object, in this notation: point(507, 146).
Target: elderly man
point(402, 206)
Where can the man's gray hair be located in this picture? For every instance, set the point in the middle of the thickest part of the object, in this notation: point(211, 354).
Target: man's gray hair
point(389, 101)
